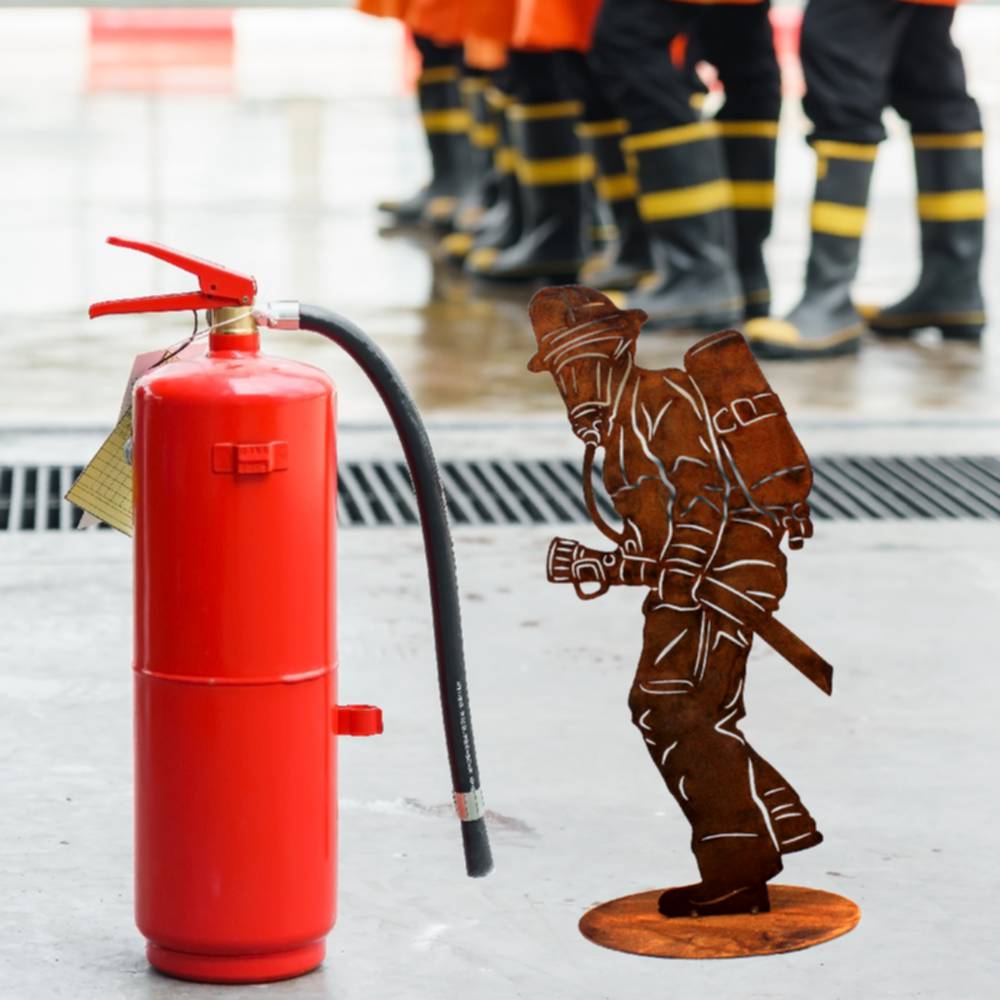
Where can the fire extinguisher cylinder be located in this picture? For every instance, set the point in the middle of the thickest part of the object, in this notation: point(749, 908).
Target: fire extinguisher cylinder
point(235, 660)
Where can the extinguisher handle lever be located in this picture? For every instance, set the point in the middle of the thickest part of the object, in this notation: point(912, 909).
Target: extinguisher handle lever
point(218, 286)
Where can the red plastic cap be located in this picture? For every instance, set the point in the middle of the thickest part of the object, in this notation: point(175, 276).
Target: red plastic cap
point(357, 720)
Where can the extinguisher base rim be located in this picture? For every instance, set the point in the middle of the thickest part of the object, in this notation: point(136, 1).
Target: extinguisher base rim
point(265, 967)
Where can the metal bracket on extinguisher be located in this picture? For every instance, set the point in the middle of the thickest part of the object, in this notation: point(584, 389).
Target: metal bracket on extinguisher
point(357, 720)
point(250, 459)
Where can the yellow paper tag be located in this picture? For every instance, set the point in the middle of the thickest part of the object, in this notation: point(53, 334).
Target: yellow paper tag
point(104, 488)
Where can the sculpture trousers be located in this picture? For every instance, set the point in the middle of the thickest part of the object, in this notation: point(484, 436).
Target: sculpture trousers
point(687, 702)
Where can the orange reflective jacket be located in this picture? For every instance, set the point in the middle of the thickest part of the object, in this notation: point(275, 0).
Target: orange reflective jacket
point(489, 30)
point(383, 8)
point(730, 3)
point(442, 21)
point(492, 18)
point(555, 24)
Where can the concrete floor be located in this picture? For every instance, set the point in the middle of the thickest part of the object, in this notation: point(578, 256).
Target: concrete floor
point(272, 167)
point(898, 768)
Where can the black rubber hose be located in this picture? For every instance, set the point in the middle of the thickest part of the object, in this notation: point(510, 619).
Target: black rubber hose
point(440, 570)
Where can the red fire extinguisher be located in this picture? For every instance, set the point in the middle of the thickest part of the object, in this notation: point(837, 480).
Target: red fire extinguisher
point(235, 663)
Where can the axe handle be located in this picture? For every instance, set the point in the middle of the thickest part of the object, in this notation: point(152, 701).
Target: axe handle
point(801, 656)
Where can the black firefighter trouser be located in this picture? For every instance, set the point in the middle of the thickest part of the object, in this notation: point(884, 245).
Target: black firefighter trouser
point(861, 56)
point(631, 56)
point(701, 186)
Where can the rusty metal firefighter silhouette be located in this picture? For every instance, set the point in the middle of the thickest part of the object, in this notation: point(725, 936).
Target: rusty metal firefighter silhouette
point(708, 478)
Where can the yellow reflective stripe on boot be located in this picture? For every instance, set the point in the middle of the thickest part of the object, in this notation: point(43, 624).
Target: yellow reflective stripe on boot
point(505, 160)
point(473, 85)
point(439, 209)
point(482, 258)
point(845, 150)
point(555, 170)
point(616, 187)
point(497, 99)
point(533, 112)
point(438, 74)
point(948, 140)
point(451, 120)
point(484, 136)
point(952, 206)
point(769, 330)
point(827, 150)
point(456, 245)
point(836, 219)
point(875, 316)
point(597, 130)
point(753, 195)
point(680, 202)
point(749, 130)
point(678, 136)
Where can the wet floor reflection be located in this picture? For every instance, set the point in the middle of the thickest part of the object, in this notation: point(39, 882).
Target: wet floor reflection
point(282, 185)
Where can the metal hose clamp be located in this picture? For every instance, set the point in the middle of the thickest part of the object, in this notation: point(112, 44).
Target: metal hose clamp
point(470, 805)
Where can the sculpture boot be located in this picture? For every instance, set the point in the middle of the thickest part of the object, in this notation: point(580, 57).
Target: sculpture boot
point(625, 258)
point(952, 208)
point(825, 322)
point(734, 875)
point(551, 173)
point(446, 126)
point(750, 159)
point(685, 204)
point(702, 901)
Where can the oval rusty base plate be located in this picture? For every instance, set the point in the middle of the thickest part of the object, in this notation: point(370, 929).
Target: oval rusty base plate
point(799, 918)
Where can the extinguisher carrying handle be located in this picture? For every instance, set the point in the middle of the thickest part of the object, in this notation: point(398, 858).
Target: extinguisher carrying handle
point(440, 563)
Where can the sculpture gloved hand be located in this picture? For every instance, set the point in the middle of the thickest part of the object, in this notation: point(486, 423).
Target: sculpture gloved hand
point(591, 572)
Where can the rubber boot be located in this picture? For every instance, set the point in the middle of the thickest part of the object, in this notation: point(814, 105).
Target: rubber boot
point(481, 185)
point(446, 126)
point(625, 257)
point(825, 323)
point(750, 159)
point(600, 229)
point(685, 204)
point(952, 209)
point(500, 227)
point(551, 173)
point(482, 190)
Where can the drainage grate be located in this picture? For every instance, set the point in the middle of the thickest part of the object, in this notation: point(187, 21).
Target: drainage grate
point(505, 492)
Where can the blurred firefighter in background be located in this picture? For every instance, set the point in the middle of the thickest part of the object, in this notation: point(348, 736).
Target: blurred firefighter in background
point(542, 107)
point(490, 216)
point(439, 29)
point(858, 57)
point(529, 135)
point(553, 186)
point(705, 188)
point(509, 177)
